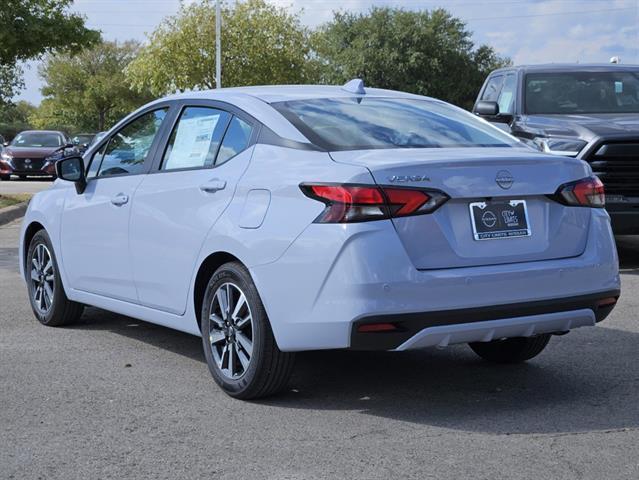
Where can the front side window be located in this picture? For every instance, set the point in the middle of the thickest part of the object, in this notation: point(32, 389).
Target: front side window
point(582, 92)
point(366, 123)
point(506, 99)
point(493, 87)
point(127, 150)
point(236, 139)
point(94, 165)
point(195, 139)
point(38, 139)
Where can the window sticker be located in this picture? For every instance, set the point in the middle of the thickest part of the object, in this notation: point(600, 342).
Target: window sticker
point(192, 144)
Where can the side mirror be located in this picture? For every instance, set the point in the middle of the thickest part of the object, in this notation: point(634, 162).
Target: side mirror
point(71, 169)
point(484, 108)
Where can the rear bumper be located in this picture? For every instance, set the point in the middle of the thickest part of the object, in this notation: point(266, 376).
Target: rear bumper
point(483, 324)
point(335, 276)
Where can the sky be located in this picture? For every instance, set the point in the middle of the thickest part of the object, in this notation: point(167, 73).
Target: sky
point(527, 31)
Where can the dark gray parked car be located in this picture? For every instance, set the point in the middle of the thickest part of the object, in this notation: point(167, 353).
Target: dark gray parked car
point(585, 111)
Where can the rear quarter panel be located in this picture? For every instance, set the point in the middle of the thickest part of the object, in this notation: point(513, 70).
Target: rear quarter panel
point(278, 171)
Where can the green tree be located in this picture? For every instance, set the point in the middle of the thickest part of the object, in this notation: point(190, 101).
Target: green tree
point(30, 28)
point(14, 117)
point(428, 53)
point(88, 91)
point(261, 44)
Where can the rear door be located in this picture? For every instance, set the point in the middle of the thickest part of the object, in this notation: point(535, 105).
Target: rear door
point(95, 224)
point(192, 182)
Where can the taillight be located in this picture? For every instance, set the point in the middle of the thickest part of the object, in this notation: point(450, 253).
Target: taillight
point(587, 192)
point(359, 203)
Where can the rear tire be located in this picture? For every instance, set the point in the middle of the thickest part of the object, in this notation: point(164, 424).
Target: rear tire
point(511, 350)
point(49, 303)
point(5, 178)
point(237, 338)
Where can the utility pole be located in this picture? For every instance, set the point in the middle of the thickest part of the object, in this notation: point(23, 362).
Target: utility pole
point(218, 45)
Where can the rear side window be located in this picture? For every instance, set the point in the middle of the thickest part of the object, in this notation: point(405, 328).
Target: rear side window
point(195, 139)
point(128, 147)
point(493, 87)
point(237, 138)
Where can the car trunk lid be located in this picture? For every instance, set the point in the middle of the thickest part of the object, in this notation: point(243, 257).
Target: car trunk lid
point(488, 176)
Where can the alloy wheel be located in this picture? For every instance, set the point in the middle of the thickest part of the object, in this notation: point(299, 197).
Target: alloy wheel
point(42, 279)
point(231, 331)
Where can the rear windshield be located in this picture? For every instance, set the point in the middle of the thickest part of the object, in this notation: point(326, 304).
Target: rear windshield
point(358, 123)
point(582, 92)
point(38, 139)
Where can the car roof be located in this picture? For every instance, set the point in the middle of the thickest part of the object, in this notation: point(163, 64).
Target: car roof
point(256, 101)
point(280, 93)
point(572, 67)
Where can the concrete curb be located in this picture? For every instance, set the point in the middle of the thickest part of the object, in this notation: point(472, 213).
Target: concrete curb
point(12, 212)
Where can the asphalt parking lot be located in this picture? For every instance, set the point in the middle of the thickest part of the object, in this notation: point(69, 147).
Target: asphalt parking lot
point(114, 397)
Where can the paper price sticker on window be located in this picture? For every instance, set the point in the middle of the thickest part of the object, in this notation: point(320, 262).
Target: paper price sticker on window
point(192, 144)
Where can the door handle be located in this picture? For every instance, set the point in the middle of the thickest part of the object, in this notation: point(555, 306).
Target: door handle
point(213, 186)
point(120, 199)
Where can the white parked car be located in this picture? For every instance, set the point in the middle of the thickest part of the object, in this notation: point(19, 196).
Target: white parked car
point(271, 220)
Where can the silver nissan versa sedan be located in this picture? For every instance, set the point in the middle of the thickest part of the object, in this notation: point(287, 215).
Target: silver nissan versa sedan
point(270, 220)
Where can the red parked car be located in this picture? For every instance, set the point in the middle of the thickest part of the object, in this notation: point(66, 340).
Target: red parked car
point(28, 154)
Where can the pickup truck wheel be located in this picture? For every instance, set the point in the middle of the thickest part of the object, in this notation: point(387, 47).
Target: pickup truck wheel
point(511, 350)
point(48, 301)
point(238, 342)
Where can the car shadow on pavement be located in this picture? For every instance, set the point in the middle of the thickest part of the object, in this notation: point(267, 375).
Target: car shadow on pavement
point(584, 381)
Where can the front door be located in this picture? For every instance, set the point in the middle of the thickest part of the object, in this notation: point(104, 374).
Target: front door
point(179, 202)
point(95, 224)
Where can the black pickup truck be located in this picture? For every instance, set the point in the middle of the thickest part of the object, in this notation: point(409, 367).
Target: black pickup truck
point(586, 111)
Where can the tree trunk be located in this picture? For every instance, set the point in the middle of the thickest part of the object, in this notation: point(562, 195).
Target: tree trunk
point(101, 120)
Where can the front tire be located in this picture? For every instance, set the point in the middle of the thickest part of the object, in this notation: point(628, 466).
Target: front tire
point(49, 303)
point(237, 338)
point(511, 350)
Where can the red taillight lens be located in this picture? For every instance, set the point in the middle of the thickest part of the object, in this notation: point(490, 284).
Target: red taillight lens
point(348, 194)
point(360, 203)
point(587, 192)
